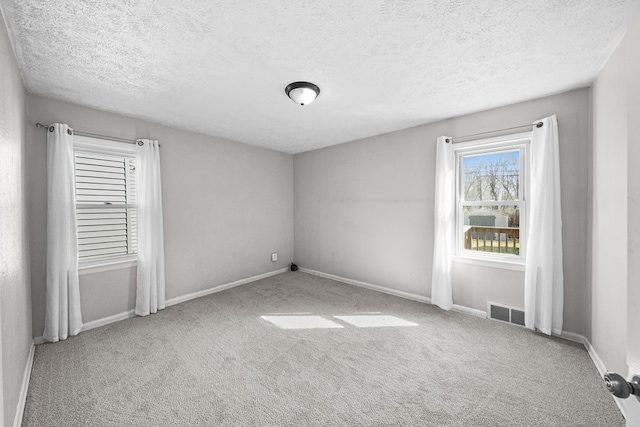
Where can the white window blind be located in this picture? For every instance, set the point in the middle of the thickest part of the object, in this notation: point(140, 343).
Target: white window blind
point(105, 204)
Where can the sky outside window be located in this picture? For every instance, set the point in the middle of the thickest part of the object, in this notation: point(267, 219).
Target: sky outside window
point(492, 176)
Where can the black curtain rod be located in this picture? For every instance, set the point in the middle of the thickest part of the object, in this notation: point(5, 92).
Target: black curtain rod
point(94, 135)
point(451, 139)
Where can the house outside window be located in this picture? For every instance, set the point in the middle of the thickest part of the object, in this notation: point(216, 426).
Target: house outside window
point(491, 196)
point(105, 201)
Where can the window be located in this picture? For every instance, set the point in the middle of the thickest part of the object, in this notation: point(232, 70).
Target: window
point(491, 198)
point(105, 200)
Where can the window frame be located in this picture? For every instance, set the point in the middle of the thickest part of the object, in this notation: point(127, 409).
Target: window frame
point(93, 145)
point(522, 143)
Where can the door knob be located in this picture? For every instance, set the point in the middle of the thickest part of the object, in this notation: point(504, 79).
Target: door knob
point(619, 387)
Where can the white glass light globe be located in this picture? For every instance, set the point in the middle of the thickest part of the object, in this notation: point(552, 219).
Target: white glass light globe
point(302, 95)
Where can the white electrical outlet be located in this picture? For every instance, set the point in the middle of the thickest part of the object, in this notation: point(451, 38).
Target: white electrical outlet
point(274, 256)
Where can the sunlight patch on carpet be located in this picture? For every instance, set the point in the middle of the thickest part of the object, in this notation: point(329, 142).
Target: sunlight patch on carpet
point(376, 321)
point(301, 322)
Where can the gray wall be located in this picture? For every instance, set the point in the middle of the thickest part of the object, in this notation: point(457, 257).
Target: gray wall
point(15, 303)
point(609, 213)
point(616, 199)
point(633, 206)
point(364, 210)
point(226, 207)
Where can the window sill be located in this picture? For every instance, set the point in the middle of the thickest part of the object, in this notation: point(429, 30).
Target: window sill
point(516, 265)
point(106, 264)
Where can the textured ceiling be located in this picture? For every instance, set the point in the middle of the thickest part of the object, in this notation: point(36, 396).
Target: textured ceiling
point(220, 67)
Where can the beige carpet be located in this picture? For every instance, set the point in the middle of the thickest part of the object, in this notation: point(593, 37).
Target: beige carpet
point(228, 360)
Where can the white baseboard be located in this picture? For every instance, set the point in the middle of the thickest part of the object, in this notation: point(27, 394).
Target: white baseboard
point(626, 406)
point(194, 295)
point(572, 336)
point(394, 292)
point(401, 294)
point(95, 324)
point(17, 421)
point(173, 301)
point(469, 310)
point(366, 285)
point(106, 320)
point(594, 356)
point(630, 407)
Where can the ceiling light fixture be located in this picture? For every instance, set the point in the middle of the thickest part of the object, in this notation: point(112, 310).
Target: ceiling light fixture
point(302, 93)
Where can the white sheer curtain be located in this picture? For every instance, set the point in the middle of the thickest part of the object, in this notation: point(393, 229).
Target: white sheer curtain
point(543, 283)
point(444, 217)
point(150, 287)
point(63, 315)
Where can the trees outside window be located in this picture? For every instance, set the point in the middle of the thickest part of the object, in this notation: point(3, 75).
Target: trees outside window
point(491, 198)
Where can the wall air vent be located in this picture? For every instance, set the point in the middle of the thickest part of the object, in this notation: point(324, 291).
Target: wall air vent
point(506, 314)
